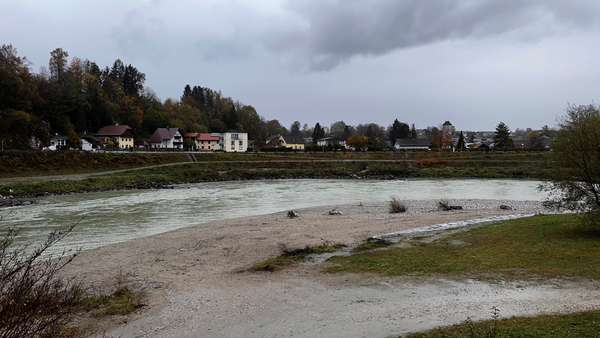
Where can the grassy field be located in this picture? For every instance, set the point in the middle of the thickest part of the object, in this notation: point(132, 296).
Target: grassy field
point(221, 167)
point(584, 324)
point(540, 246)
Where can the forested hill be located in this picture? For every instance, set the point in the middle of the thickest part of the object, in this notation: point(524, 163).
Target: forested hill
point(75, 96)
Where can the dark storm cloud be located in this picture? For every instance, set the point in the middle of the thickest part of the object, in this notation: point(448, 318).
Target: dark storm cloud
point(425, 61)
point(329, 32)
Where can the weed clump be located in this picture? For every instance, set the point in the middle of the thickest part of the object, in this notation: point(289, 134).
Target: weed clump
point(396, 206)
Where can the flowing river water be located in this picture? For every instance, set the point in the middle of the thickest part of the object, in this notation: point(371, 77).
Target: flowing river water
point(104, 218)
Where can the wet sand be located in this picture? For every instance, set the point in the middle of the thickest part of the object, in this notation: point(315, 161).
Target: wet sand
point(196, 285)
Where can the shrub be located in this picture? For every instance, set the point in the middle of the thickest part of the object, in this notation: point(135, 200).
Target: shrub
point(396, 206)
point(34, 300)
point(576, 173)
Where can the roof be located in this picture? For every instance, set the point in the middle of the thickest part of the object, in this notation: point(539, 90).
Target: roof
point(275, 138)
point(115, 130)
point(447, 123)
point(89, 139)
point(407, 142)
point(163, 134)
point(208, 137)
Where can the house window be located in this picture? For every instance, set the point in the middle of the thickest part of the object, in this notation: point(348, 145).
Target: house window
point(233, 143)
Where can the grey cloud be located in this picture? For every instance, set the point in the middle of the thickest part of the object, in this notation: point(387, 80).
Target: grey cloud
point(334, 31)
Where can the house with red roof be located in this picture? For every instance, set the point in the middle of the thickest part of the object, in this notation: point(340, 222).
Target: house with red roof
point(203, 141)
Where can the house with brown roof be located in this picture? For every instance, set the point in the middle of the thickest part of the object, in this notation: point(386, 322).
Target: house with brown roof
point(116, 136)
point(166, 138)
point(202, 141)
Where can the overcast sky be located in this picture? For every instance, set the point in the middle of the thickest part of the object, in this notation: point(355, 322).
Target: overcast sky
point(473, 62)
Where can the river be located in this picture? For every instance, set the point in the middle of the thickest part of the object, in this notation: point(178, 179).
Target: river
point(103, 218)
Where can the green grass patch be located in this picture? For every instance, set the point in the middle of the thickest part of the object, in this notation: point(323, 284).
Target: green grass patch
point(540, 246)
point(294, 256)
point(371, 244)
point(583, 324)
point(121, 302)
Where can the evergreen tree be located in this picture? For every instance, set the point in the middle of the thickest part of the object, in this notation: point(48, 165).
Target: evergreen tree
point(460, 145)
point(413, 132)
point(318, 133)
point(502, 138)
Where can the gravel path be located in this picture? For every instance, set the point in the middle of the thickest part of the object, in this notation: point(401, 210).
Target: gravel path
point(196, 286)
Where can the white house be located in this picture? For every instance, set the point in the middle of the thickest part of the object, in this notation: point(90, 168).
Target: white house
point(331, 141)
point(57, 142)
point(86, 145)
point(234, 142)
point(412, 144)
point(166, 138)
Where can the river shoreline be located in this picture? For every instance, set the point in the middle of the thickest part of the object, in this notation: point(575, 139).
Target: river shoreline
point(166, 176)
point(197, 284)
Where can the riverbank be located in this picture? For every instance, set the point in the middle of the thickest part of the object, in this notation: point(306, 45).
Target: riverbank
point(212, 169)
point(198, 283)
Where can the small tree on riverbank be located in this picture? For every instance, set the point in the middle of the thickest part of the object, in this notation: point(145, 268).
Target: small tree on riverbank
point(576, 177)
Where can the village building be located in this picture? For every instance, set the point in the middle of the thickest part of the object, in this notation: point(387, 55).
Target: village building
point(232, 142)
point(141, 144)
point(88, 143)
point(166, 138)
point(278, 141)
point(331, 141)
point(448, 139)
point(412, 144)
point(116, 136)
point(202, 141)
point(57, 142)
point(295, 146)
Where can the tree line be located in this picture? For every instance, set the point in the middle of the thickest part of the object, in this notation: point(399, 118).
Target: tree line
point(76, 96)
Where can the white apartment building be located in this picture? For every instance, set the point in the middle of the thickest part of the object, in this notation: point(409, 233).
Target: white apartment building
point(234, 142)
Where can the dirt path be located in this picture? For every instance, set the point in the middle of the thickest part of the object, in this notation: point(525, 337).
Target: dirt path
point(196, 288)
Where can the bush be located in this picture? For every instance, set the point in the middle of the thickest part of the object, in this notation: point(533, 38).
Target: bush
point(576, 173)
point(397, 207)
point(34, 300)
